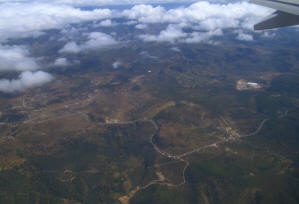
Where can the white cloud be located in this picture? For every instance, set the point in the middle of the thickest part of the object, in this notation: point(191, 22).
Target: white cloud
point(71, 32)
point(197, 37)
point(16, 58)
point(141, 26)
point(174, 33)
point(26, 80)
point(106, 23)
point(176, 49)
point(268, 34)
point(22, 18)
point(230, 13)
point(61, 62)
point(145, 13)
point(244, 36)
point(31, 18)
point(116, 64)
point(131, 22)
point(218, 23)
point(170, 34)
point(205, 16)
point(27, 19)
point(99, 40)
point(96, 40)
point(71, 47)
point(101, 2)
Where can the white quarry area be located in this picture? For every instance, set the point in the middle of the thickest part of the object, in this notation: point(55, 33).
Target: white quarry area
point(253, 85)
point(245, 85)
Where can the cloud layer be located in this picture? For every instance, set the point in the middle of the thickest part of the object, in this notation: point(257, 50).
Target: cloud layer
point(32, 18)
point(26, 80)
point(231, 13)
point(96, 40)
point(169, 35)
point(61, 62)
point(29, 19)
point(16, 58)
point(116, 64)
point(102, 2)
point(206, 19)
point(199, 22)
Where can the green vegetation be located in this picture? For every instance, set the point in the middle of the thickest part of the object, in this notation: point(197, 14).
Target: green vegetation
point(86, 138)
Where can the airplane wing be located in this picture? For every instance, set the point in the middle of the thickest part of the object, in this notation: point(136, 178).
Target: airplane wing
point(287, 13)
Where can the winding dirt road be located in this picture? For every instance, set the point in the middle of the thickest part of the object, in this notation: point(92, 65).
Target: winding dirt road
point(178, 157)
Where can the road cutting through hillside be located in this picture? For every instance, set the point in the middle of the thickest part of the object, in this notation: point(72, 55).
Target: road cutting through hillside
point(178, 157)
